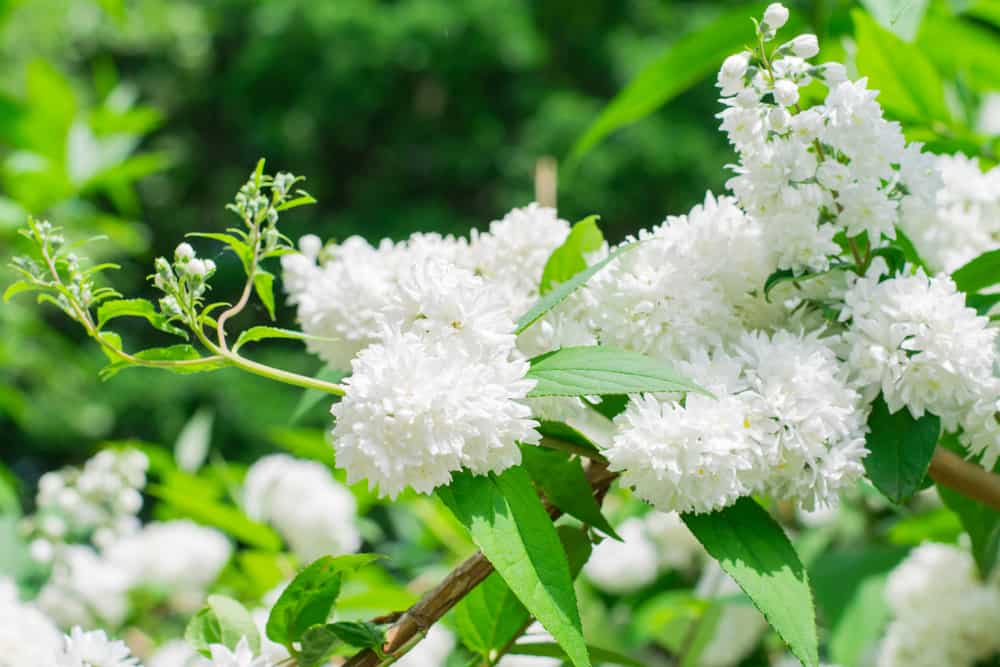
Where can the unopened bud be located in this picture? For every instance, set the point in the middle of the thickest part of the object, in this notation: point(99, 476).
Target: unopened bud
point(775, 16)
point(183, 253)
point(805, 46)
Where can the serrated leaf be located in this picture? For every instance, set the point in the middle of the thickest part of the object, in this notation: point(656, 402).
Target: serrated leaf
point(570, 258)
point(254, 334)
point(561, 292)
point(564, 483)
point(899, 449)
point(136, 308)
point(310, 597)
point(238, 246)
point(234, 621)
point(491, 616)
point(171, 353)
point(688, 60)
point(551, 650)
point(597, 370)
point(983, 271)
point(263, 284)
point(508, 523)
point(754, 550)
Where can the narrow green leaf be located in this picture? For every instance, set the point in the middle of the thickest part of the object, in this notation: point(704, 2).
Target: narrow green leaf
point(753, 549)
point(17, 287)
point(298, 201)
point(899, 450)
point(234, 621)
point(983, 271)
point(510, 526)
point(213, 513)
point(910, 88)
point(550, 650)
point(561, 292)
point(688, 60)
point(570, 258)
point(565, 485)
point(263, 284)
point(254, 334)
point(136, 308)
point(309, 598)
point(172, 353)
point(904, 243)
point(596, 370)
point(238, 246)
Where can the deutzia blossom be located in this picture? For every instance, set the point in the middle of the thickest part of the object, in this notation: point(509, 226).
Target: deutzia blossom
point(416, 411)
point(913, 338)
point(93, 649)
point(626, 566)
point(177, 653)
point(312, 511)
point(173, 555)
point(85, 589)
point(27, 636)
point(943, 614)
point(241, 656)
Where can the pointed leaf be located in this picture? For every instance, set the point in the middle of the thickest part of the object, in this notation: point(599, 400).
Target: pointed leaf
point(254, 334)
point(136, 308)
point(263, 284)
point(753, 549)
point(983, 271)
point(510, 526)
point(899, 450)
point(570, 258)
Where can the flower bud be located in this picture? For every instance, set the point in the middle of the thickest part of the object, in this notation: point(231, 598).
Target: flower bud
point(310, 245)
point(183, 253)
point(197, 268)
point(775, 16)
point(833, 74)
point(732, 72)
point(805, 46)
point(786, 93)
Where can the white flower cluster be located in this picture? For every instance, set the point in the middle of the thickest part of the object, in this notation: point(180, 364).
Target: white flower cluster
point(651, 544)
point(943, 613)
point(97, 502)
point(27, 636)
point(837, 166)
point(314, 513)
point(93, 649)
point(914, 339)
point(784, 420)
point(427, 325)
point(967, 220)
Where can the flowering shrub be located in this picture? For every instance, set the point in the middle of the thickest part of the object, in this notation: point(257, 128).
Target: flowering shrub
point(748, 362)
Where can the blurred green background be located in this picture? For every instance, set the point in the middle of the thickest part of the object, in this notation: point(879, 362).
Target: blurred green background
point(138, 119)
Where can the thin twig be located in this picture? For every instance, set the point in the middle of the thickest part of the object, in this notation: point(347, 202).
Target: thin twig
point(971, 480)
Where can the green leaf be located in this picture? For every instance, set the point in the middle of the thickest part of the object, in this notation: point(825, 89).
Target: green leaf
point(788, 276)
point(596, 370)
point(173, 353)
point(982, 303)
point(263, 284)
point(136, 308)
point(202, 631)
point(559, 293)
point(491, 616)
point(753, 549)
point(983, 271)
point(904, 243)
point(565, 485)
point(982, 523)
point(902, 17)
point(510, 526)
point(237, 245)
point(309, 598)
point(234, 621)
point(254, 334)
point(360, 634)
point(899, 450)
point(298, 201)
point(213, 513)
point(688, 60)
point(861, 625)
point(561, 431)
point(17, 287)
point(317, 643)
point(570, 258)
point(550, 650)
point(910, 88)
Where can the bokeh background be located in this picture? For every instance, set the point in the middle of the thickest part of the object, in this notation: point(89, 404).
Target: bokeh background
point(138, 119)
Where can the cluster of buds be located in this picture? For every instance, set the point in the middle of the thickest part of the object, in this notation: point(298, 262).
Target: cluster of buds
point(184, 281)
point(97, 503)
point(259, 211)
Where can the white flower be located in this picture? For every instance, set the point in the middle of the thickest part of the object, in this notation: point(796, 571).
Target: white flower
point(432, 651)
point(786, 92)
point(241, 656)
point(197, 268)
point(93, 649)
point(913, 338)
point(732, 73)
point(85, 589)
point(775, 16)
point(177, 653)
point(804, 46)
point(183, 253)
point(416, 411)
point(623, 567)
point(943, 614)
point(174, 555)
point(313, 512)
point(27, 637)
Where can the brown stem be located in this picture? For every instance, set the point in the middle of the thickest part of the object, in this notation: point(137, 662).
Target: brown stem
point(971, 480)
point(459, 583)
